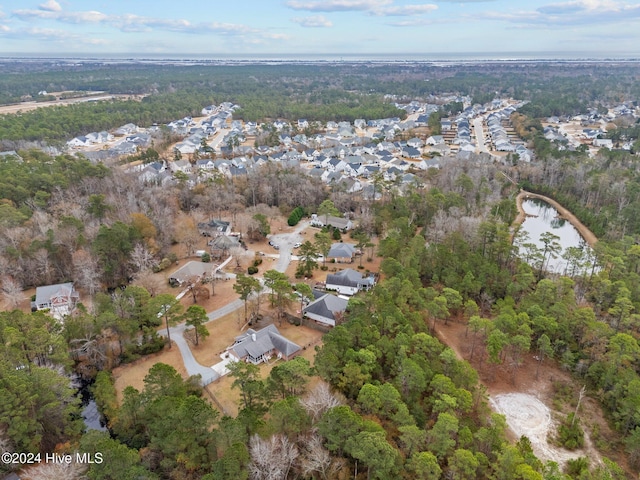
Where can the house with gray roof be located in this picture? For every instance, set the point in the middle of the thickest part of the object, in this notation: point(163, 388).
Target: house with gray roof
point(342, 252)
point(326, 310)
point(190, 271)
point(349, 282)
point(214, 228)
point(59, 299)
point(328, 220)
point(257, 346)
point(222, 244)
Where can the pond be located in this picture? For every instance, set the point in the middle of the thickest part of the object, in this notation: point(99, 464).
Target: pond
point(573, 256)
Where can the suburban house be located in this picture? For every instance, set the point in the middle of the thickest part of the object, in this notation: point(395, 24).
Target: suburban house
point(342, 252)
point(222, 244)
point(349, 282)
point(326, 310)
point(257, 346)
point(214, 228)
point(335, 222)
point(60, 299)
point(190, 271)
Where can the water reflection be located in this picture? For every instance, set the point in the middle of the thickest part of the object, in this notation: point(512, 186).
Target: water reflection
point(565, 252)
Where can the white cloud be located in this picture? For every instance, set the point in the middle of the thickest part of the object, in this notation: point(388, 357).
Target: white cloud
point(575, 13)
point(130, 23)
point(66, 17)
point(373, 7)
point(315, 21)
point(414, 22)
point(337, 5)
point(406, 10)
point(50, 6)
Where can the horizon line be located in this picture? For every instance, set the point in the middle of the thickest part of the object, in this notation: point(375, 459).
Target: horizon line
point(369, 56)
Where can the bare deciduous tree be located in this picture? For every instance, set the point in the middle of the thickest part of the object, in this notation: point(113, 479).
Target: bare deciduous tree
point(271, 459)
point(150, 282)
point(55, 471)
point(316, 459)
point(87, 271)
point(43, 265)
point(238, 253)
point(319, 400)
point(12, 292)
point(142, 257)
point(187, 233)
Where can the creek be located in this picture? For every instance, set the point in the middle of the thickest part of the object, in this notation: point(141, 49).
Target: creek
point(90, 414)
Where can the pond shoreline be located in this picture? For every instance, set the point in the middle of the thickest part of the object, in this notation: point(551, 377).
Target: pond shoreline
point(587, 234)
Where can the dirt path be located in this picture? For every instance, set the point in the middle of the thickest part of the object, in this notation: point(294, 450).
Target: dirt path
point(587, 234)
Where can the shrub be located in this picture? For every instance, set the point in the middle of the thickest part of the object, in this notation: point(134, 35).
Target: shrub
point(257, 261)
point(172, 257)
point(336, 234)
point(206, 258)
point(164, 264)
point(251, 270)
point(295, 216)
point(570, 434)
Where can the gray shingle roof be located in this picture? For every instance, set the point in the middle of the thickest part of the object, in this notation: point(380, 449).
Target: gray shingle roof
point(191, 269)
point(348, 277)
point(256, 343)
point(341, 250)
point(46, 293)
point(326, 306)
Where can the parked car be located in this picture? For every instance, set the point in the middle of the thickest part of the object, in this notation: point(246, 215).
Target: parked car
point(297, 245)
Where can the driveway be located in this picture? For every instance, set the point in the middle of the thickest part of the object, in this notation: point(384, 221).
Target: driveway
point(286, 241)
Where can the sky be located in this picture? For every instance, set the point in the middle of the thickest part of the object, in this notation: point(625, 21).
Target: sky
point(306, 28)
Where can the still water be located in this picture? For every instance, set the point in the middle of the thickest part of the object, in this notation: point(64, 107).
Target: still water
point(541, 218)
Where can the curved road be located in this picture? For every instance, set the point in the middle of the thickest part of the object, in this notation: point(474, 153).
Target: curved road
point(286, 241)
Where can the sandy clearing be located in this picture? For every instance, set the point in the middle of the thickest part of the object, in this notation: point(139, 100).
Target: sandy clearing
point(528, 416)
point(28, 106)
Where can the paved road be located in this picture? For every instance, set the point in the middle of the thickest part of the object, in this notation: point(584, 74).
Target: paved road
point(477, 126)
point(286, 242)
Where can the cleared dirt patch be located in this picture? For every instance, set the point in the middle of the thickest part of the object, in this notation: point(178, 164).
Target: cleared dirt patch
point(539, 389)
point(528, 416)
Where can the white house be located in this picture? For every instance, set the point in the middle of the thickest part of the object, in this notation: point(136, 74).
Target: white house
point(60, 299)
point(349, 282)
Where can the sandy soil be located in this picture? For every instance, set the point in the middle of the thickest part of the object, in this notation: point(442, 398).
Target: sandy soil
point(587, 234)
point(528, 416)
point(531, 403)
point(27, 106)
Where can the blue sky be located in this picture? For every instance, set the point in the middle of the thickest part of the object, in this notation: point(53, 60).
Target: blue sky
point(333, 27)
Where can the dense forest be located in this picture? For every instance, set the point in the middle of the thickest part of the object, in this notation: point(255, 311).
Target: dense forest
point(391, 400)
